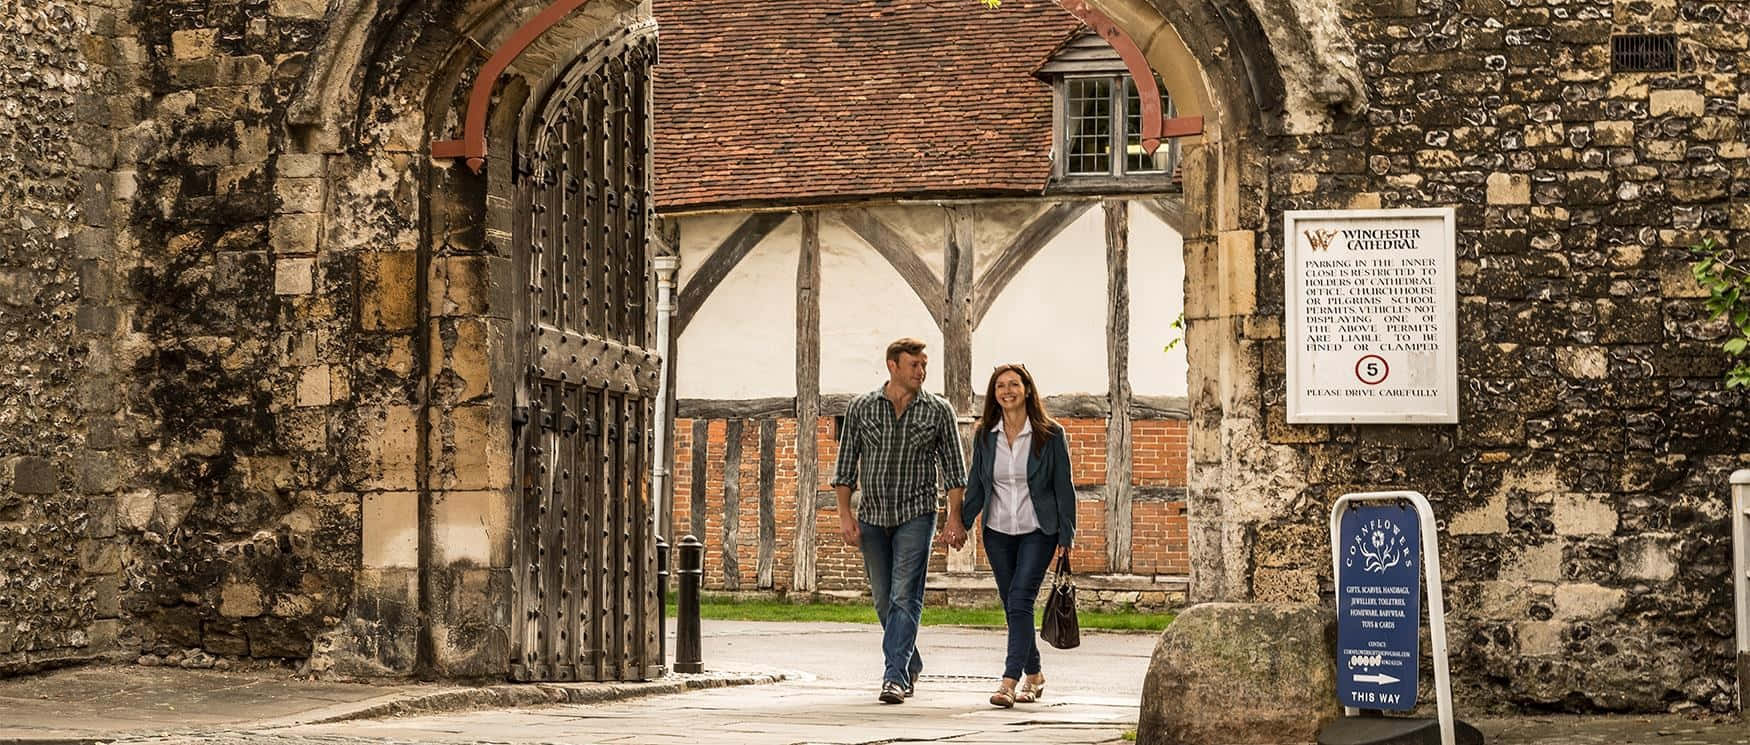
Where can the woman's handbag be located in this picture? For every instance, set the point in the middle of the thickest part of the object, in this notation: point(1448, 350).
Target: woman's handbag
point(1060, 628)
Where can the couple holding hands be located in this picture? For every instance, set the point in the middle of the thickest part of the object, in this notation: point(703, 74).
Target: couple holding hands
point(891, 445)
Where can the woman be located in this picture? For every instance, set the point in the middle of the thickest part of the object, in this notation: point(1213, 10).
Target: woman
point(1020, 480)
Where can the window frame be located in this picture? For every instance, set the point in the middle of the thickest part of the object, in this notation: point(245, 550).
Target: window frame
point(1117, 175)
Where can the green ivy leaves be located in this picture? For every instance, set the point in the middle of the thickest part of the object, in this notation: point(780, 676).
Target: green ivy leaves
point(1728, 286)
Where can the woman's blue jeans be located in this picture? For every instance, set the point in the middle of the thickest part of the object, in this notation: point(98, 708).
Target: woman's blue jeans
point(1019, 563)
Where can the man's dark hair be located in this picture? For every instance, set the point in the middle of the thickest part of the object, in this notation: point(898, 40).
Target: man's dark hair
point(906, 345)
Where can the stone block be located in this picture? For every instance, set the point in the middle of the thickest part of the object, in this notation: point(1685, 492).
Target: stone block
point(389, 298)
point(311, 9)
point(472, 528)
point(1236, 674)
point(298, 194)
point(295, 235)
point(1614, 133)
point(1647, 557)
point(1588, 363)
point(1239, 279)
point(1488, 519)
point(101, 517)
point(294, 276)
point(1539, 563)
point(1587, 600)
point(466, 357)
point(192, 44)
point(171, 510)
point(98, 473)
point(100, 556)
point(475, 452)
point(1676, 103)
point(107, 599)
point(240, 599)
point(34, 475)
point(1584, 514)
point(1509, 188)
point(391, 530)
point(392, 444)
point(1539, 638)
point(134, 509)
point(299, 165)
point(314, 386)
point(468, 286)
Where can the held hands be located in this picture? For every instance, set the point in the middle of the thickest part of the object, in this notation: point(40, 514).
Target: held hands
point(954, 535)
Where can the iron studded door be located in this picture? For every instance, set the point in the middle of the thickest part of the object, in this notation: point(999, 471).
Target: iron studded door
point(586, 602)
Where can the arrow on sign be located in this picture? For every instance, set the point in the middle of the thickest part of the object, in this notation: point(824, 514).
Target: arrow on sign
point(1376, 678)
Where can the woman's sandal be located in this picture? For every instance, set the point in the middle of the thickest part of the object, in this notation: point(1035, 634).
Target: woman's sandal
point(1030, 691)
point(1004, 697)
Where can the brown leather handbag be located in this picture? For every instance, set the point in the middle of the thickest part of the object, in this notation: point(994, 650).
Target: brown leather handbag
point(1060, 628)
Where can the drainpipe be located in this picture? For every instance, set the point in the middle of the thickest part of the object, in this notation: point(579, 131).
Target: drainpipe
point(665, 269)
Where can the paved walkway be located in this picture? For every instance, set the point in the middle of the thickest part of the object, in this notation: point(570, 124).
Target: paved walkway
point(1092, 698)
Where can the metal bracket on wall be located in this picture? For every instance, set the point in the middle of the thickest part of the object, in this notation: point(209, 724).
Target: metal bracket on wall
point(1155, 127)
point(472, 146)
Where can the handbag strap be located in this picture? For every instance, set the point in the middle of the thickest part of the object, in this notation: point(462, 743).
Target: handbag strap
point(1063, 573)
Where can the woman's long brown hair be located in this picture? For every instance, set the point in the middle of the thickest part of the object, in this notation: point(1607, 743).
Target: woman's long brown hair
point(1044, 427)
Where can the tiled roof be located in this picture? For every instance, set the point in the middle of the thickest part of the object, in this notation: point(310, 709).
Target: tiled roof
point(798, 101)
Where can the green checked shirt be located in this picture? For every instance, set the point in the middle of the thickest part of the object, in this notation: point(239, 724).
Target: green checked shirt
point(898, 456)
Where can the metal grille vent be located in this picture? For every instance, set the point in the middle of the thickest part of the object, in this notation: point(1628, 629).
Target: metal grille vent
point(1643, 53)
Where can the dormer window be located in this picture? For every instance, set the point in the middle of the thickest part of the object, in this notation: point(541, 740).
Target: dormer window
point(1099, 118)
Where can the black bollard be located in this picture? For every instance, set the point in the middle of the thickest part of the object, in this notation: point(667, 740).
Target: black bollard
point(661, 601)
point(687, 653)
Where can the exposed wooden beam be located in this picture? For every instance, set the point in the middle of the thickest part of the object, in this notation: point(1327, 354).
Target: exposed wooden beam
point(722, 260)
point(1118, 457)
point(1026, 244)
point(732, 504)
point(900, 254)
point(1170, 210)
point(742, 408)
point(768, 553)
point(807, 399)
point(957, 324)
point(696, 504)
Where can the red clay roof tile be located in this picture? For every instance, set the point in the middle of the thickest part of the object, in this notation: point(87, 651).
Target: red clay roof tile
point(797, 101)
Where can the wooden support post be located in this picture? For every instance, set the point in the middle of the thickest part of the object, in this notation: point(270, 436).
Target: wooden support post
point(701, 451)
point(768, 506)
point(1118, 385)
point(732, 504)
point(957, 344)
point(957, 325)
point(807, 399)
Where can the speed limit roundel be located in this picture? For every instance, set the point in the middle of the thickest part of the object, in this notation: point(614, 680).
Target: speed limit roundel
point(1372, 369)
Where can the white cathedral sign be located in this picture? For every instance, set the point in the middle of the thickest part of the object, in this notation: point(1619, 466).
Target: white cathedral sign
point(1371, 316)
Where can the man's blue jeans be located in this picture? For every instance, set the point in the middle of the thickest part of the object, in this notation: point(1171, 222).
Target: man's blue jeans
point(896, 559)
point(1019, 563)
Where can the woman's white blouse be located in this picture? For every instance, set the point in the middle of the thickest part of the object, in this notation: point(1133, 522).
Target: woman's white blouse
point(1011, 502)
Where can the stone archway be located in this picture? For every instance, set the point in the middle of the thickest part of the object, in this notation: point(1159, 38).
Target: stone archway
point(432, 330)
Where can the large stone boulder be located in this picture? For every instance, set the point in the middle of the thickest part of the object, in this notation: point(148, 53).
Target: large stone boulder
point(1241, 673)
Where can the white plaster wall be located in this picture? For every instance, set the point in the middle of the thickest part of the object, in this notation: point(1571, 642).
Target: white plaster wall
point(864, 306)
point(699, 238)
point(1052, 315)
point(1157, 296)
point(742, 342)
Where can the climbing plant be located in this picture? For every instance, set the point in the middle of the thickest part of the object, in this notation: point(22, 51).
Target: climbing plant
point(1727, 281)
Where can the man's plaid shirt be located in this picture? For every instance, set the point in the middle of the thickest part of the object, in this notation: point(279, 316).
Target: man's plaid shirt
point(898, 456)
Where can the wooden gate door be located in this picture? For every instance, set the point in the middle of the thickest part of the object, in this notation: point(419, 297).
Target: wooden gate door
point(586, 597)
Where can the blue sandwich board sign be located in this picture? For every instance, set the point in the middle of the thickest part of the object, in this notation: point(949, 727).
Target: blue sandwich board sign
point(1378, 607)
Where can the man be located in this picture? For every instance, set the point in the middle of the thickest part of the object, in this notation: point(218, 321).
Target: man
point(894, 438)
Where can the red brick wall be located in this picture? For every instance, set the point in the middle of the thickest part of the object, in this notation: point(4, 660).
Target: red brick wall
point(1158, 534)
